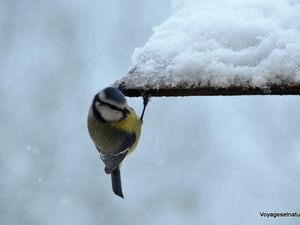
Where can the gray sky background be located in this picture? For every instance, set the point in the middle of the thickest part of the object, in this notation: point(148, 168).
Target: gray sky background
point(200, 160)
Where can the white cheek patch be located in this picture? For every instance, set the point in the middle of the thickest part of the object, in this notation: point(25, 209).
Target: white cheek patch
point(109, 114)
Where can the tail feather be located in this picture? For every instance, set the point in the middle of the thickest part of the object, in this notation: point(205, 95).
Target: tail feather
point(116, 182)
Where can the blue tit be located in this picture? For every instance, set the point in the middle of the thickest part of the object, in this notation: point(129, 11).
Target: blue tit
point(115, 130)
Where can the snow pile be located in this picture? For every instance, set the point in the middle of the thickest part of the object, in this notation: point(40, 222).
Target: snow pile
point(221, 43)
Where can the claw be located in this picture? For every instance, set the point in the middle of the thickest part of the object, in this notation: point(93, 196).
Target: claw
point(121, 86)
point(146, 98)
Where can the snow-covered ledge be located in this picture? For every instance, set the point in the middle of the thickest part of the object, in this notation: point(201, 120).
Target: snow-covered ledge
point(213, 47)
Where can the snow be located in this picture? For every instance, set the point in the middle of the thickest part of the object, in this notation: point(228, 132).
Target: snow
point(200, 160)
point(221, 43)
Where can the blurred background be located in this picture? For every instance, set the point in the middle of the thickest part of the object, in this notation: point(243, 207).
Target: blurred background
point(200, 160)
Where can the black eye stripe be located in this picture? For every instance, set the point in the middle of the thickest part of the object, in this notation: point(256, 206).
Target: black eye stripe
point(111, 106)
point(125, 111)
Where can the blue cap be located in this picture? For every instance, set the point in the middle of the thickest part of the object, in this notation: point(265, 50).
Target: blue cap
point(114, 94)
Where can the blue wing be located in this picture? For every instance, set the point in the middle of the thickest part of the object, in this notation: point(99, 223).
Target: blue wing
point(112, 161)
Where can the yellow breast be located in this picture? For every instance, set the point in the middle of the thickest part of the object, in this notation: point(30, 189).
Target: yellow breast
point(131, 124)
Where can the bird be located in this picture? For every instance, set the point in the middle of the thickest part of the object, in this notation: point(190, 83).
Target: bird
point(115, 129)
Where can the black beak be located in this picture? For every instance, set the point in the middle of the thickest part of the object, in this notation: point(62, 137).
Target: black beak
point(126, 112)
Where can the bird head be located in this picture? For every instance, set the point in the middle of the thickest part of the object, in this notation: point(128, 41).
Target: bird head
point(110, 105)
